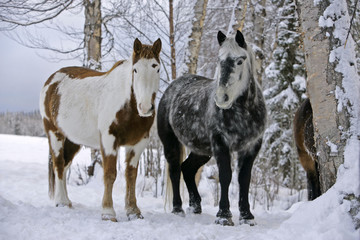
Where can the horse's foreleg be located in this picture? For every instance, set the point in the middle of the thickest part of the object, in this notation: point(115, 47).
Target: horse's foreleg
point(189, 169)
point(109, 155)
point(223, 158)
point(245, 163)
point(132, 162)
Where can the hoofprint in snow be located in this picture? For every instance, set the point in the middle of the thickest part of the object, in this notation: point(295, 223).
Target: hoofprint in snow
point(26, 212)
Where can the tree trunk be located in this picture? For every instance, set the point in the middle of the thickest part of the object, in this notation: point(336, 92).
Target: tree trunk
point(92, 39)
point(322, 81)
point(92, 32)
point(172, 40)
point(196, 34)
point(238, 15)
point(259, 14)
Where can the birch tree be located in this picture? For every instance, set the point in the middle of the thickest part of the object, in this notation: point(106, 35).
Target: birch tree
point(324, 24)
point(193, 49)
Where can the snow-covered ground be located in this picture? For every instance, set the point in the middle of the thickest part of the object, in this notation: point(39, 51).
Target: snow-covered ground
point(26, 212)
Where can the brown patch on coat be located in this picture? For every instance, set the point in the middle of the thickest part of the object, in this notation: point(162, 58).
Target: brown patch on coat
point(52, 102)
point(129, 128)
point(70, 150)
point(82, 72)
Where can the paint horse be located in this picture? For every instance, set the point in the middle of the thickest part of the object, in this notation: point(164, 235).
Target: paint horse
point(102, 110)
point(215, 118)
point(303, 130)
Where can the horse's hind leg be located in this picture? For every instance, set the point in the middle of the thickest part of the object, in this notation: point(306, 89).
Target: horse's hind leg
point(189, 169)
point(132, 162)
point(173, 153)
point(309, 164)
point(57, 171)
point(245, 163)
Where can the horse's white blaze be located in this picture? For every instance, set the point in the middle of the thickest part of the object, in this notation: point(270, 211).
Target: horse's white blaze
point(138, 149)
point(235, 86)
point(146, 83)
point(61, 196)
point(56, 144)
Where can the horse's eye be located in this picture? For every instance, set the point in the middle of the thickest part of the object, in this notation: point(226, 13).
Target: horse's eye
point(239, 62)
point(135, 70)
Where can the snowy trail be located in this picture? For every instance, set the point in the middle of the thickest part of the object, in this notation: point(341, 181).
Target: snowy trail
point(26, 212)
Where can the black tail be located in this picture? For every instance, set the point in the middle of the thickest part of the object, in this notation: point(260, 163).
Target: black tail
point(51, 178)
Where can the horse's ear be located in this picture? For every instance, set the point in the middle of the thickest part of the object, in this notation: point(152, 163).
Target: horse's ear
point(157, 47)
point(239, 38)
point(137, 46)
point(221, 37)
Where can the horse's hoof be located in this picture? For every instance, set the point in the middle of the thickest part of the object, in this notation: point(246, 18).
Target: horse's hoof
point(224, 221)
point(108, 217)
point(194, 210)
point(250, 222)
point(135, 216)
point(69, 205)
point(178, 211)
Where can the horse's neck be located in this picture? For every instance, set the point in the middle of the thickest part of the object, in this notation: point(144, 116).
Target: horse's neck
point(120, 77)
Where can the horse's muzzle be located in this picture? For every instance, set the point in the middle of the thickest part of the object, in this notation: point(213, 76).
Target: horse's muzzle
point(146, 112)
point(222, 99)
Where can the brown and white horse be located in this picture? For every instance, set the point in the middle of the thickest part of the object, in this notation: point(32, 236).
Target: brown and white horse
point(103, 110)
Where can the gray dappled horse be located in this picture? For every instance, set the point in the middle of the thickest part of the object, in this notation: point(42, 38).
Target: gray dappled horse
point(215, 118)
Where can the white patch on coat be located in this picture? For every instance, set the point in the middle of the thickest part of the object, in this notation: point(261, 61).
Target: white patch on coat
point(146, 82)
point(88, 106)
point(138, 149)
point(61, 196)
point(56, 145)
point(108, 141)
point(108, 213)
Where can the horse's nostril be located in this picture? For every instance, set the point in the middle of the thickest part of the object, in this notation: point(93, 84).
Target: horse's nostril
point(152, 107)
point(226, 97)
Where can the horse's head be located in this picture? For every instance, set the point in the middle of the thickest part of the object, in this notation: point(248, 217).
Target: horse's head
point(146, 76)
point(234, 67)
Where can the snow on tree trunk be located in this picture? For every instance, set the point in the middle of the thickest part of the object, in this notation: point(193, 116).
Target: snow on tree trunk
point(324, 84)
point(196, 34)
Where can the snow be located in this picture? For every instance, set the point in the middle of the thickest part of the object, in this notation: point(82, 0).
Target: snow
point(26, 212)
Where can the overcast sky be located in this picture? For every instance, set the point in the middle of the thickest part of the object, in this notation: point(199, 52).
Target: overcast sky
point(22, 74)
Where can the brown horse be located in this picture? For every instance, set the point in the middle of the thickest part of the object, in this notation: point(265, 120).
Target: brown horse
point(102, 110)
point(305, 145)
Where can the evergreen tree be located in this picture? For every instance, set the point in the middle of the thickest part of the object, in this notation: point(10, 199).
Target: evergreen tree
point(286, 78)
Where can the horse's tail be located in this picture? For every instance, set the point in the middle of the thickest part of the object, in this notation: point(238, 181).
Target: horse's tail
point(51, 177)
point(168, 190)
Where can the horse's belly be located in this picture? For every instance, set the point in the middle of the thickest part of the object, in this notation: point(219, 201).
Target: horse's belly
point(79, 127)
point(193, 134)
